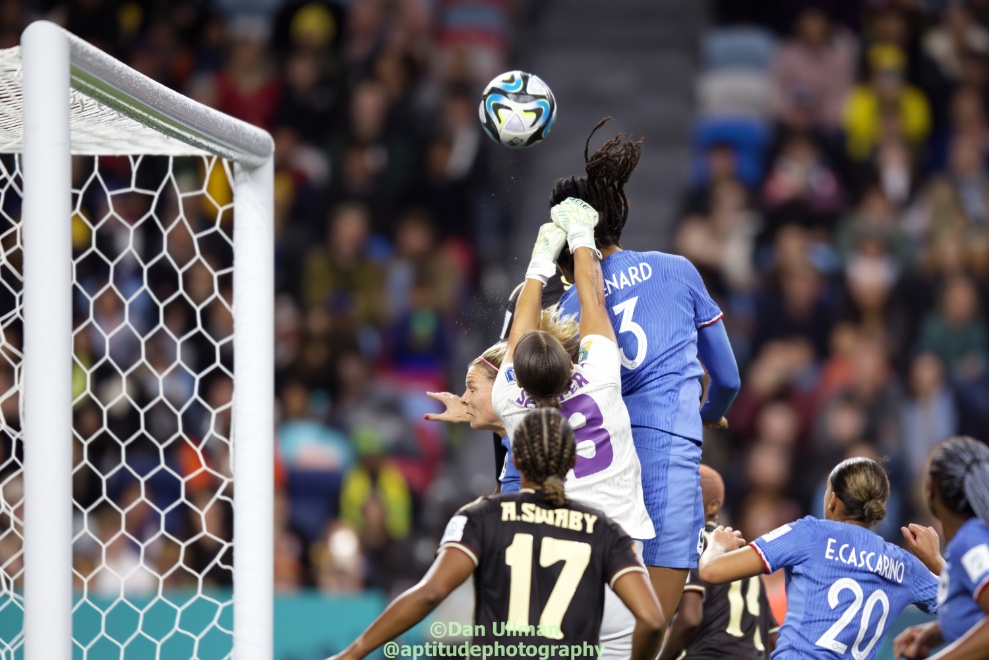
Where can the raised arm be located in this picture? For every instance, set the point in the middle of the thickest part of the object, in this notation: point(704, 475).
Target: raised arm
point(578, 219)
point(542, 266)
point(727, 558)
point(451, 568)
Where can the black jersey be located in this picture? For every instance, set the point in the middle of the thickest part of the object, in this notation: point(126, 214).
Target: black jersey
point(737, 619)
point(541, 569)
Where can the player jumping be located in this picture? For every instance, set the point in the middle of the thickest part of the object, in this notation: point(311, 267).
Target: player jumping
point(538, 372)
point(840, 576)
point(666, 326)
point(538, 559)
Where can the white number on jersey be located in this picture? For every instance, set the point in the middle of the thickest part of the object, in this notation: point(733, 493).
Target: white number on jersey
point(575, 557)
point(829, 639)
point(627, 309)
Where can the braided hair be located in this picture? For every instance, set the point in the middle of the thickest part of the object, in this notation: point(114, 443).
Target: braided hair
point(959, 467)
point(607, 171)
point(545, 450)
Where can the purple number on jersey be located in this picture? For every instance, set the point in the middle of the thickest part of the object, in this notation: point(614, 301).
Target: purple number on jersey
point(592, 430)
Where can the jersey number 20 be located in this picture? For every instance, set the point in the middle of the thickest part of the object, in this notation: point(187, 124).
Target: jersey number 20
point(519, 556)
point(829, 639)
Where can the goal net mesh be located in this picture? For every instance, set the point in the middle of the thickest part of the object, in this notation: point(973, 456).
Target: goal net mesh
point(152, 386)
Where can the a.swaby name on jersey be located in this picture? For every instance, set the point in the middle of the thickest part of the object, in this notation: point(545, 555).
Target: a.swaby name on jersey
point(578, 521)
point(577, 381)
point(884, 565)
point(626, 278)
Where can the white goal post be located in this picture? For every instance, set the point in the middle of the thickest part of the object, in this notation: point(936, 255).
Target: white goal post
point(77, 100)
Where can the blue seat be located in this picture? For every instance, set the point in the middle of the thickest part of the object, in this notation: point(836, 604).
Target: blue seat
point(741, 47)
point(314, 498)
point(748, 137)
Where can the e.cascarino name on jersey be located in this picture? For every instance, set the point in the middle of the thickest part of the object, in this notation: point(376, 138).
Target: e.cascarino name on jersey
point(883, 565)
point(628, 277)
point(528, 512)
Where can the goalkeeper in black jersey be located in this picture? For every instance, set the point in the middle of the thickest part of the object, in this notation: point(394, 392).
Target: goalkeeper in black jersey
point(720, 620)
point(540, 563)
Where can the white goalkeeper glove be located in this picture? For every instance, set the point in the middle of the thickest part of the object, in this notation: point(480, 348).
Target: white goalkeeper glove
point(547, 249)
point(577, 218)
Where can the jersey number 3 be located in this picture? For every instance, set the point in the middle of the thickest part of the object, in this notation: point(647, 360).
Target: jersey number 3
point(627, 309)
point(519, 556)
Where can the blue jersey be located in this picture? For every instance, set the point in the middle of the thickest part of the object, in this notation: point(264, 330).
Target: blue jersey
point(844, 586)
point(511, 479)
point(964, 577)
point(656, 302)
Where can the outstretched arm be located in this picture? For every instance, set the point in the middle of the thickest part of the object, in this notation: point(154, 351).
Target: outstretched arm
point(448, 572)
point(542, 266)
point(636, 592)
point(578, 219)
point(727, 558)
point(714, 350)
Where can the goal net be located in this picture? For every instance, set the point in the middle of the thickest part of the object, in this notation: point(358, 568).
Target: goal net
point(125, 376)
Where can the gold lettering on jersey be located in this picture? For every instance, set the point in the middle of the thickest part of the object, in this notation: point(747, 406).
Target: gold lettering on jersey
point(528, 512)
point(577, 521)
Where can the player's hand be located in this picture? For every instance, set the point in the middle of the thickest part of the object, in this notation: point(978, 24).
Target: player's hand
point(549, 244)
point(455, 412)
point(719, 424)
point(916, 642)
point(726, 537)
point(925, 544)
point(578, 219)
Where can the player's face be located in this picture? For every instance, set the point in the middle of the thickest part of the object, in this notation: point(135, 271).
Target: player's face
point(477, 402)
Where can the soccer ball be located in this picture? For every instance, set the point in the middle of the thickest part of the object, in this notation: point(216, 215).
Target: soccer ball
point(517, 109)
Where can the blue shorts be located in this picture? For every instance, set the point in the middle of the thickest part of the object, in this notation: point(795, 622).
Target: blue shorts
point(671, 486)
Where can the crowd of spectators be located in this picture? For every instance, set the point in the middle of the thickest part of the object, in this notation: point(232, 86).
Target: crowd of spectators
point(383, 231)
point(839, 211)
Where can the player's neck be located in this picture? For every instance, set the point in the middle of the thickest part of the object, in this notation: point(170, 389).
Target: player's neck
point(525, 483)
point(610, 250)
point(950, 524)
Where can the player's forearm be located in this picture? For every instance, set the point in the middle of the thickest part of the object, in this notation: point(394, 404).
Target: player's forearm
point(973, 645)
point(589, 281)
point(645, 641)
point(404, 612)
point(680, 637)
point(714, 350)
point(527, 310)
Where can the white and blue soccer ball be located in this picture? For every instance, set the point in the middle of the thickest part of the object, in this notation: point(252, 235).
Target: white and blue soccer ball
point(517, 109)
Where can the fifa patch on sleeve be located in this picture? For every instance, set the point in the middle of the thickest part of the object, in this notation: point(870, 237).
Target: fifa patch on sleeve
point(510, 374)
point(976, 562)
point(776, 533)
point(585, 348)
point(454, 529)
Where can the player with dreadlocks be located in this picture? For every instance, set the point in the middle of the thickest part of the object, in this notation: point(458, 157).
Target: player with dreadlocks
point(957, 490)
point(667, 326)
point(532, 554)
point(537, 371)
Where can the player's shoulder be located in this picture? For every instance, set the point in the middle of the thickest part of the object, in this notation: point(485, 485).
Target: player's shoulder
point(970, 547)
point(479, 506)
point(808, 525)
point(972, 533)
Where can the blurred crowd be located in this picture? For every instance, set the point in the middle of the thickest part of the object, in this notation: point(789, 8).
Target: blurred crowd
point(384, 226)
point(839, 211)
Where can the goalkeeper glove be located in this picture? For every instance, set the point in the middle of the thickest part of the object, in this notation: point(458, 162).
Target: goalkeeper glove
point(577, 218)
point(548, 246)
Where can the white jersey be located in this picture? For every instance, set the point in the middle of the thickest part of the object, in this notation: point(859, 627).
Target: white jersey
point(607, 475)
